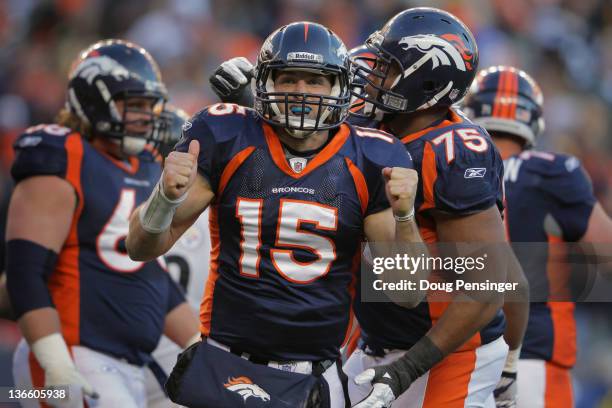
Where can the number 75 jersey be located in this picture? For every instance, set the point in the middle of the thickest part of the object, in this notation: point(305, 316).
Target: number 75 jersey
point(285, 239)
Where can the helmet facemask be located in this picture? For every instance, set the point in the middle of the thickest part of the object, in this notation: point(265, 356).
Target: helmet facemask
point(373, 84)
point(302, 114)
point(136, 128)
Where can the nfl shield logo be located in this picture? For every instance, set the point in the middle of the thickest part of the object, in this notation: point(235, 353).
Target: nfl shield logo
point(298, 164)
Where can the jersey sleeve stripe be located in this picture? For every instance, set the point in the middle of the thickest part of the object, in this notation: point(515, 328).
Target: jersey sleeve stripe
point(209, 289)
point(64, 282)
point(232, 166)
point(429, 176)
point(360, 185)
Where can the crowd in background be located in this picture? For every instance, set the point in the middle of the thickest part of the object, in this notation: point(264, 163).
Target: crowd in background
point(565, 44)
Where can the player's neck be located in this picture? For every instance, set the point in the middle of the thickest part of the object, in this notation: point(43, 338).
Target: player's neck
point(507, 147)
point(107, 146)
point(312, 142)
point(404, 124)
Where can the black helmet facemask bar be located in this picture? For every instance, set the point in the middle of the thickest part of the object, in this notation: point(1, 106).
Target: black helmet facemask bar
point(117, 128)
point(385, 100)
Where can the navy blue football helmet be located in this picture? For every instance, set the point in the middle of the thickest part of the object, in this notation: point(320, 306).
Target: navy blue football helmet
point(431, 55)
point(108, 71)
point(508, 100)
point(309, 47)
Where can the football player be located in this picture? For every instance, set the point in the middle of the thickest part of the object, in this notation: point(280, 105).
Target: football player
point(292, 190)
point(89, 314)
point(187, 262)
point(443, 355)
point(549, 198)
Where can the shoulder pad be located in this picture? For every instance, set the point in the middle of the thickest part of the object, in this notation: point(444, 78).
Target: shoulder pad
point(222, 130)
point(382, 149)
point(223, 120)
point(469, 170)
point(560, 175)
point(548, 163)
point(462, 144)
point(41, 150)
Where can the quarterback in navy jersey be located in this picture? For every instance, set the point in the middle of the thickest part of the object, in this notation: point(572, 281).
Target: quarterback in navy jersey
point(549, 198)
point(406, 79)
point(82, 303)
point(292, 192)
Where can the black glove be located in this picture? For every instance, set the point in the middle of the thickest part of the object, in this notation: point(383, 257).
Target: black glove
point(392, 380)
point(231, 81)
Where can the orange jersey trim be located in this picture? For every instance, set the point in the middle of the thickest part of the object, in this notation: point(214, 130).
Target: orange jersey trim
point(448, 381)
point(454, 119)
point(278, 156)
point(360, 185)
point(64, 282)
point(209, 289)
point(561, 313)
point(131, 168)
point(558, 392)
point(232, 166)
point(429, 174)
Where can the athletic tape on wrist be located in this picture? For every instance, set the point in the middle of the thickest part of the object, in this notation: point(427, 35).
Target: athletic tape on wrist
point(52, 351)
point(157, 213)
point(512, 360)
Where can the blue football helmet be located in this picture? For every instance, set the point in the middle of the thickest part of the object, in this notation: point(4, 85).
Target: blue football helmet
point(506, 99)
point(431, 55)
point(310, 47)
point(108, 71)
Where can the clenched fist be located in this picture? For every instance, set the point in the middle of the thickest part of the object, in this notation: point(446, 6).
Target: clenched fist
point(180, 170)
point(400, 186)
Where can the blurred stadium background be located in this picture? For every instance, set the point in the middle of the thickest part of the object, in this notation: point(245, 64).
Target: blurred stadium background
point(565, 44)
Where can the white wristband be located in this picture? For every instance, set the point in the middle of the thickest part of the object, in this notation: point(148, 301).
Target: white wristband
point(512, 360)
point(52, 351)
point(157, 213)
point(405, 218)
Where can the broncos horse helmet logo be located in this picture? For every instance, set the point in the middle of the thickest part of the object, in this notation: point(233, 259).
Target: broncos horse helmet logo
point(245, 387)
point(91, 67)
point(443, 50)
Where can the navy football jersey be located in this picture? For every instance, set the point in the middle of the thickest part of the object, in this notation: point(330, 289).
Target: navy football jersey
point(105, 300)
point(285, 244)
point(549, 198)
point(460, 172)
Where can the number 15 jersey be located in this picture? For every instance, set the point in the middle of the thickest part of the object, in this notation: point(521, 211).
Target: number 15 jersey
point(285, 244)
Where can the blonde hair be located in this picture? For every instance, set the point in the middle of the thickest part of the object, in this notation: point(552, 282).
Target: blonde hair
point(71, 120)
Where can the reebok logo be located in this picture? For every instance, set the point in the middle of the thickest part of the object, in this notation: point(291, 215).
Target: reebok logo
point(474, 172)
